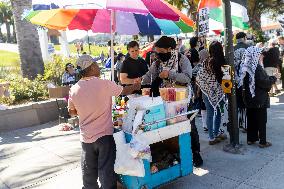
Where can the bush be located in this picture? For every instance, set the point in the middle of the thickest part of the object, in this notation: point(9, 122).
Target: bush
point(23, 90)
point(54, 69)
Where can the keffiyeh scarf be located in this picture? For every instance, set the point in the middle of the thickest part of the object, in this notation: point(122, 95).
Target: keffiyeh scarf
point(209, 86)
point(171, 64)
point(238, 56)
point(248, 65)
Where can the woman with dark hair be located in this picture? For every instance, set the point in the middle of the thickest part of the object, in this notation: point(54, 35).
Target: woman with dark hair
point(255, 85)
point(194, 51)
point(69, 76)
point(209, 79)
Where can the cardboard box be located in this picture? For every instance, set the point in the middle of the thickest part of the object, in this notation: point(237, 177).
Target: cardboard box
point(59, 92)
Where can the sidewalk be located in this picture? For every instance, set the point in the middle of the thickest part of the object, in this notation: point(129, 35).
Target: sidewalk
point(45, 158)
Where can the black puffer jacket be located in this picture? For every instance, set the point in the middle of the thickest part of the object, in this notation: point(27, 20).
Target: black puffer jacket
point(263, 84)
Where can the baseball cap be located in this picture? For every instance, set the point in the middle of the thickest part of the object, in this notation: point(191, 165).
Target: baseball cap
point(84, 61)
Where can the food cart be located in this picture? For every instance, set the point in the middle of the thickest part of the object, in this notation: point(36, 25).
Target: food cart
point(168, 140)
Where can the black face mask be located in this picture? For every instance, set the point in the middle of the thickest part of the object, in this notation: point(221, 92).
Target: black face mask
point(164, 56)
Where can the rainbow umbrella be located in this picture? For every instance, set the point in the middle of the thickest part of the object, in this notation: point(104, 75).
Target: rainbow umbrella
point(99, 21)
point(130, 17)
point(157, 8)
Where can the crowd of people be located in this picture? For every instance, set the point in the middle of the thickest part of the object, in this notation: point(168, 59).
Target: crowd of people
point(169, 63)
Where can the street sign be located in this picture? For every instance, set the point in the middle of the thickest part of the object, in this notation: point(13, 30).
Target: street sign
point(203, 22)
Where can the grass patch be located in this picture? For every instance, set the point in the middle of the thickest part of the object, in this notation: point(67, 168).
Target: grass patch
point(9, 59)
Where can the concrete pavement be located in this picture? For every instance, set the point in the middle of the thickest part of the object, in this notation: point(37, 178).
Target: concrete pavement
point(44, 157)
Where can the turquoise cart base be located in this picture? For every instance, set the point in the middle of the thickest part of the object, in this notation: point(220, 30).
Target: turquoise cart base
point(150, 180)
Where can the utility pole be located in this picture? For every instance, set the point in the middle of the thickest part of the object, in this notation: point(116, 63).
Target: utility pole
point(234, 146)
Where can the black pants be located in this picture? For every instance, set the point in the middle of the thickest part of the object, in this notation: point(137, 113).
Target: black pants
point(195, 145)
point(97, 160)
point(256, 124)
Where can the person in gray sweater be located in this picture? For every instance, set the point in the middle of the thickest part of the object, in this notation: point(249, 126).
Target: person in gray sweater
point(170, 68)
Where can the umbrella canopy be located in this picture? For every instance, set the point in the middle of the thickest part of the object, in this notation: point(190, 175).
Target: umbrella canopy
point(98, 20)
point(157, 8)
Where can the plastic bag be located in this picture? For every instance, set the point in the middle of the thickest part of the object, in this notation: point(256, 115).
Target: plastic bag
point(125, 164)
point(140, 149)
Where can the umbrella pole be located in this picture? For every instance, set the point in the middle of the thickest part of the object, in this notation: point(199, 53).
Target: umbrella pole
point(89, 42)
point(112, 44)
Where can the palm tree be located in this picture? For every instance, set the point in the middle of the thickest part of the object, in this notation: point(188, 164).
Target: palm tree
point(28, 41)
point(1, 22)
point(189, 5)
point(6, 16)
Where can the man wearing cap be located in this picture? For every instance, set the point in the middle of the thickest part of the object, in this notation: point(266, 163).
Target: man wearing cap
point(239, 51)
point(91, 100)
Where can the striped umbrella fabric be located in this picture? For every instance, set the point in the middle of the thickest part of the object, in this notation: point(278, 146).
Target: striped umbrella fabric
point(98, 20)
point(157, 8)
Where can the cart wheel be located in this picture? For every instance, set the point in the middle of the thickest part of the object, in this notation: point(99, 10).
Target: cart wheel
point(144, 187)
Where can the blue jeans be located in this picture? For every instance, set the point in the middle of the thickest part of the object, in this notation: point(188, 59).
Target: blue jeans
point(213, 125)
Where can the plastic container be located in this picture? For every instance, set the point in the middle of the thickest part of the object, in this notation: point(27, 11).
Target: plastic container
point(180, 94)
point(172, 94)
point(146, 91)
point(164, 94)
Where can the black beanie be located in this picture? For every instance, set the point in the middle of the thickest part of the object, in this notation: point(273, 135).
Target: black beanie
point(166, 42)
point(240, 35)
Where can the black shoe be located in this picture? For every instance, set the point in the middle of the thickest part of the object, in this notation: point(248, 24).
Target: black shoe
point(197, 160)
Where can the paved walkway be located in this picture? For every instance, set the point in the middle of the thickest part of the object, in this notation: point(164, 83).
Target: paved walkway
point(45, 158)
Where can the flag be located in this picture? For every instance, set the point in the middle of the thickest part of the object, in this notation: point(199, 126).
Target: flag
point(238, 14)
point(209, 3)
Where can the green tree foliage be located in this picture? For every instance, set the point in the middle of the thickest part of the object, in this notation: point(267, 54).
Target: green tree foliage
point(258, 7)
point(6, 18)
point(54, 69)
point(189, 5)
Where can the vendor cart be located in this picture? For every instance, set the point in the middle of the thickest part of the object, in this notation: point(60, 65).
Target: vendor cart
point(178, 133)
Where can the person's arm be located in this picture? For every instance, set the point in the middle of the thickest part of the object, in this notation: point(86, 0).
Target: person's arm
point(71, 108)
point(151, 75)
point(124, 75)
point(125, 80)
point(116, 90)
point(64, 79)
point(127, 90)
point(186, 71)
point(262, 80)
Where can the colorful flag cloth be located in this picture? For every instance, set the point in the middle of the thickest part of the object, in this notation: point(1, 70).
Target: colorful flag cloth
point(238, 13)
point(209, 3)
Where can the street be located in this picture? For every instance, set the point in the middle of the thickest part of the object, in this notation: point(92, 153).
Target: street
point(44, 157)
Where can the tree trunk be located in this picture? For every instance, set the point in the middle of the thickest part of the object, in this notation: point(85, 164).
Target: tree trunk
point(8, 29)
point(14, 33)
point(28, 41)
point(192, 11)
point(1, 36)
point(255, 20)
point(255, 25)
